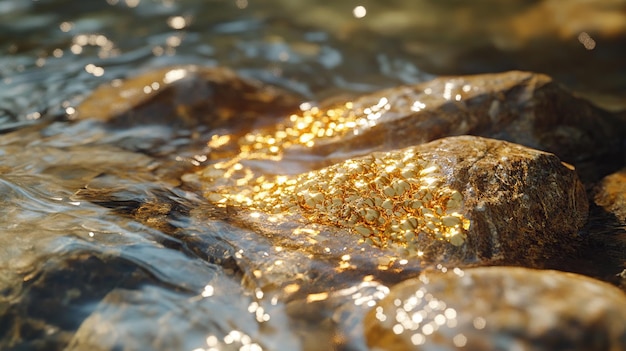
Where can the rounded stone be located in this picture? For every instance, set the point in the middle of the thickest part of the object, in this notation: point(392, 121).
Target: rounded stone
point(186, 95)
point(521, 107)
point(611, 194)
point(499, 308)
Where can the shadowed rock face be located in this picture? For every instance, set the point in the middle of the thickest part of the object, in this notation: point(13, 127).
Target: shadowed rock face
point(514, 196)
point(498, 308)
point(610, 195)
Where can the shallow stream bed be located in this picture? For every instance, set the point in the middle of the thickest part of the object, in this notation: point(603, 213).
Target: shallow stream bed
point(108, 243)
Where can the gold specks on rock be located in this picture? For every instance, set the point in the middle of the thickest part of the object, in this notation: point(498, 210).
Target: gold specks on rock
point(371, 197)
point(304, 129)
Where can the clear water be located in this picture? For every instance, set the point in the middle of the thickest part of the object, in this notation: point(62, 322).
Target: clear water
point(79, 261)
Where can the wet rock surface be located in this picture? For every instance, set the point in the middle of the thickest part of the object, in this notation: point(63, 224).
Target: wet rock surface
point(115, 235)
point(499, 308)
point(184, 103)
point(192, 96)
point(460, 199)
point(522, 107)
point(239, 220)
point(611, 195)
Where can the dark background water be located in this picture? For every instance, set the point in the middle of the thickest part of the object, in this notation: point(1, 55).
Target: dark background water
point(48, 48)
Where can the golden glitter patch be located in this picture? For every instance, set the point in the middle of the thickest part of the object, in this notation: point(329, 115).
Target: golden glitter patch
point(309, 126)
point(386, 198)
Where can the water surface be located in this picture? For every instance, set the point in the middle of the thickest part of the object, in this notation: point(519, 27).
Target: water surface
point(97, 235)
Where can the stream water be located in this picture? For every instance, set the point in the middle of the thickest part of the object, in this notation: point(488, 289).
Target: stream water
point(78, 261)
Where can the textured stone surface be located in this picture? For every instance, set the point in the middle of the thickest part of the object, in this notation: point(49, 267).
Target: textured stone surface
point(499, 308)
point(461, 198)
point(611, 194)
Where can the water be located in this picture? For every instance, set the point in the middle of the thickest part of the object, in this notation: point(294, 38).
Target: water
point(100, 238)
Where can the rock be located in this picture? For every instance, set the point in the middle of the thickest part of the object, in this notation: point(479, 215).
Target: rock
point(464, 199)
point(174, 320)
point(190, 95)
point(611, 195)
point(521, 107)
point(499, 308)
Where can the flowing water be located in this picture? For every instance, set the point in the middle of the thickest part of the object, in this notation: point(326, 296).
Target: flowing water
point(79, 259)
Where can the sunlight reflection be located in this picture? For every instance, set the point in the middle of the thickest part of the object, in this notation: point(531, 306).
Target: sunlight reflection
point(208, 291)
point(174, 75)
point(241, 4)
point(132, 3)
point(66, 26)
point(177, 22)
point(359, 12)
point(97, 71)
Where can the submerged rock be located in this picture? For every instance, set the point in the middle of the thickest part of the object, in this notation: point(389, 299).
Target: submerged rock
point(190, 96)
point(499, 308)
point(459, 198)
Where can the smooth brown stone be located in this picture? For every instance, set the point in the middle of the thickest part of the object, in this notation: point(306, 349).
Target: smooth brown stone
point(499, 308)
point(186, 95)
point(611, 194)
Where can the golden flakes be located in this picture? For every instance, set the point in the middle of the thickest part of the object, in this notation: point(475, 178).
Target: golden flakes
point(382, 204)
point(369, 196)
point(388, 199)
